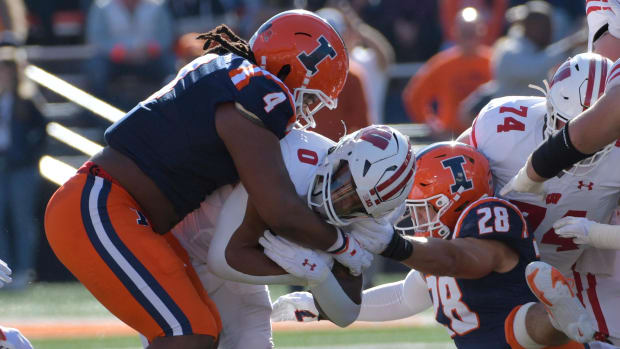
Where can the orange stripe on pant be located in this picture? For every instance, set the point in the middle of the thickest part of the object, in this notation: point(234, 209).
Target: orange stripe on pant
point(512, 340)
point(94, 227)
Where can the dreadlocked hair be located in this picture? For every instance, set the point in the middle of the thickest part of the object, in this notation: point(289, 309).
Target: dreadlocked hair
point(222, 40)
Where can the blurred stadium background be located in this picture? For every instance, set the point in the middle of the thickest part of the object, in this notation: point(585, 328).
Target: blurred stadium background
point(56, 312)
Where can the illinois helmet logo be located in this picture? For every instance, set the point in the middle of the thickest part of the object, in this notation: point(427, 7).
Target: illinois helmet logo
point(312, 60)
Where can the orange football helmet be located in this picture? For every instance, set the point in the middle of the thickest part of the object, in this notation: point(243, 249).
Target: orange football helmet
point(449, 177)
point(308, 55)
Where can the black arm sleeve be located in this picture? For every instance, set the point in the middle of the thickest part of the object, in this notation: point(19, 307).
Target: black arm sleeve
point(555, 154)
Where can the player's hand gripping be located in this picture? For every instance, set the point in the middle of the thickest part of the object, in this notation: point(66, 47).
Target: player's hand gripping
point(521, 182)
point(351, 254)
point(296, 260)
point(296, 306)
point(5, 273)
point(577, 228)
point(373, 235)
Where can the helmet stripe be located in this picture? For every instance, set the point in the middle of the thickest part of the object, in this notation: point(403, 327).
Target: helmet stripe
point(603, 77)
point(397, 174)
point(399, 187)
point(591, 74)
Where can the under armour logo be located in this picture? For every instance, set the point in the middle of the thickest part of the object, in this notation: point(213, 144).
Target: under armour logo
point(306, 262)
point(553, 198)
point(301, 314)
point(581, 185)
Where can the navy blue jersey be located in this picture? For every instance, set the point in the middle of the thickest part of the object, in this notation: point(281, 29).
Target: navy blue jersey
point(474, 310)
point(171, 136)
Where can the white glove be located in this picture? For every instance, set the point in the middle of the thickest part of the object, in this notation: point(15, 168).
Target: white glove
point(522, 183)
point(577, 228)
point(373, 235)
point(353, 255)
point(5, 271)
point(296, 260)
point(11, 338)
point(296, 306)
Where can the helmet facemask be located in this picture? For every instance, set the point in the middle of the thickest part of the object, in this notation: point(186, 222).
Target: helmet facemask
point(425, 217)
point(306, 106)
point(334, 194)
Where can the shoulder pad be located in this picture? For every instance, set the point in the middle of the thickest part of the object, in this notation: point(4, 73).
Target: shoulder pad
point(491, 218)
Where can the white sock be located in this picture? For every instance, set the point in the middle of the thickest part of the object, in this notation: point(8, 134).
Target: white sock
point(520, 330)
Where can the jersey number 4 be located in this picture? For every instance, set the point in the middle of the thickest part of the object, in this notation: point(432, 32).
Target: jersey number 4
point(535, 216)
point(511, 123)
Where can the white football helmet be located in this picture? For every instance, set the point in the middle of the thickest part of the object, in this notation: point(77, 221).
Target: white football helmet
point(575, 86)
point(368, 173)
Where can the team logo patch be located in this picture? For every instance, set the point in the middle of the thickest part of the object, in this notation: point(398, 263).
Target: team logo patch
point(312, 60)
point(461, 182)
point(583, 185)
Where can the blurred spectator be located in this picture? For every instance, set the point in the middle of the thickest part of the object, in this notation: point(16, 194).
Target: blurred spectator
point(412, 27)
point(22, 137)
point(352, 108)
point(57, 22)
point(525, 55)
point(131, 38)
point(374, 53)
point(13, 25)
point(492, 12)
point(434, 93)
point(188, 48)
point(202, 15)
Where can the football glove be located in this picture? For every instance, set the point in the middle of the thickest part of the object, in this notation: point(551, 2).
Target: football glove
point(5, 273)
point(373, 235)
point(577, 228)
point(585, 231)
point(352, 255)
point(296, 306)
point(296, 260)
point(521, 182)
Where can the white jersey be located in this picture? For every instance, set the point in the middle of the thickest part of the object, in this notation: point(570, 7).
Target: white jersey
point(507, 131)
point(302, 152)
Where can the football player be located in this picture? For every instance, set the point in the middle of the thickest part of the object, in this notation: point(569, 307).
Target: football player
point(508, 129)
point(362, 178)
point(217, 123)
point(595, 127)
point(471, 268)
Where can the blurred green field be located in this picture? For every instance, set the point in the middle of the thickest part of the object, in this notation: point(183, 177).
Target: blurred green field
point(292, 339)
point(62, 302)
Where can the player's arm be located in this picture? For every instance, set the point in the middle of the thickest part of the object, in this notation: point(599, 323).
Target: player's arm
point(466, 258)
point(585, 231)
point(397, 300)
point(590, 131)
point(258, 159)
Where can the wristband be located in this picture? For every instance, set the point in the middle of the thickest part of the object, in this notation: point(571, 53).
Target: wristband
point(341, 242)
point(556, 154)
point(399, 248)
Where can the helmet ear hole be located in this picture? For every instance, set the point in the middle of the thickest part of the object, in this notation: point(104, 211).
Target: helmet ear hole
point(284, 71)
